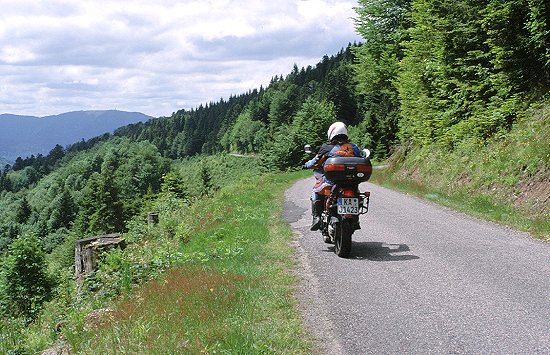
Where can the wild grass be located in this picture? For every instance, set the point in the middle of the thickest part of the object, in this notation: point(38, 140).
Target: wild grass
point(478, 205)
point(227, 288)
point(506, 181)
point(212, 276)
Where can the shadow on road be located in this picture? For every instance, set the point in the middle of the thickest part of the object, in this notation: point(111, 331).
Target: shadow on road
point(377, 251)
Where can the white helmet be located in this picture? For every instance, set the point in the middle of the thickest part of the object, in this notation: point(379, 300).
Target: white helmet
point(336, 129)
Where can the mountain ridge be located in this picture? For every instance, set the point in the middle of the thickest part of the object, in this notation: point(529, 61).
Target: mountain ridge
point(22, 136)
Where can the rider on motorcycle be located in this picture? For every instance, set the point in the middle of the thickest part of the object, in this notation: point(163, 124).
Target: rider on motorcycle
point(339, 146)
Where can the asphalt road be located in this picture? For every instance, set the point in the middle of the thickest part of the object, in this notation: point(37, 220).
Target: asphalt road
point(422, 279)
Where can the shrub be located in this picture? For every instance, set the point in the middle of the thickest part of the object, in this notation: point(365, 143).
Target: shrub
point(25, 284)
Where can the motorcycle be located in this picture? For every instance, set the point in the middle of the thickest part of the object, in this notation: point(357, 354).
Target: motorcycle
point(343, 202)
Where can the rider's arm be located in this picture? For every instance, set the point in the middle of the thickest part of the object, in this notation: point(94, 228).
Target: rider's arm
point(320, 158)
point(311, 163)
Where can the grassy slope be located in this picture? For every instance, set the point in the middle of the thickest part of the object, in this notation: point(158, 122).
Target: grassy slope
point(506, 181)
point(227, 289)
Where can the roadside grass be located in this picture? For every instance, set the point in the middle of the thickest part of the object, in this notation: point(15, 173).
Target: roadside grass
point(227, 288)
point(506, 179)
point(470, 202)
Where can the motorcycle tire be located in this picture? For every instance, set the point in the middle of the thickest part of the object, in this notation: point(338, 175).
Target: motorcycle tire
point(342, 238)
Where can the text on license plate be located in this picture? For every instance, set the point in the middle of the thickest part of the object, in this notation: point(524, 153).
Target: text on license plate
point(347, 205)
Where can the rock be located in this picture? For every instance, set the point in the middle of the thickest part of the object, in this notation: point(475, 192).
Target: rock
point(96, 317)
point(59, 348)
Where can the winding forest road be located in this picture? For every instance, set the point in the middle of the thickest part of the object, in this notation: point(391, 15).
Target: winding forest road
point(422, 279)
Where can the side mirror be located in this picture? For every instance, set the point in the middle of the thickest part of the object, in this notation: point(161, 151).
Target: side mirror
point(366, 153)
point(307, 149)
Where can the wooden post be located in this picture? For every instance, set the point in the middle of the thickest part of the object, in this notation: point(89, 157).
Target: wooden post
point(87, 251)
point(152, 217)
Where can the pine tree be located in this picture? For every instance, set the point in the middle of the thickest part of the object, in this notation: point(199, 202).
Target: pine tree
point(23, 211)
point(383, 25)
point(25, 284)
point(206, 180)
point(101, 210)
point(172, 184)
point(63, 211)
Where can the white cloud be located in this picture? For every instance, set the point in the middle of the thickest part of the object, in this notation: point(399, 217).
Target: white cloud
point(157, 57)
point(13, 55)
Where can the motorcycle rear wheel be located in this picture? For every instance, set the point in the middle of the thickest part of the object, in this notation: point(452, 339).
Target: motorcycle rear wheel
point(342, 238)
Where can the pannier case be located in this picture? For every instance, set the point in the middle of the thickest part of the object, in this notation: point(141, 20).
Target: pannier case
point(347, 169)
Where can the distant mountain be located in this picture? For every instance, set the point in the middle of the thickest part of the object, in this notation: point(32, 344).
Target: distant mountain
point(22, 136)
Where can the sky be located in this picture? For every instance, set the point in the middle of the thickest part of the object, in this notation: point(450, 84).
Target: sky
point(157, 57)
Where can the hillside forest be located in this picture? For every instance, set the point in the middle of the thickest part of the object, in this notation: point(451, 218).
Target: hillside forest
point(452, 88)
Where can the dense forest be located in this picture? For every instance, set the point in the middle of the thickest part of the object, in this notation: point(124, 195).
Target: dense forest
point(430, 80)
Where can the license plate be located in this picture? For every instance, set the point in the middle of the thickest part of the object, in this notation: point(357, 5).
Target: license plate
point(347, 205)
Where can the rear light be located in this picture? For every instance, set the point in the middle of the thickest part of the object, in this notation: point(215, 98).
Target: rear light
point(335, 167)
point(348, 193)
